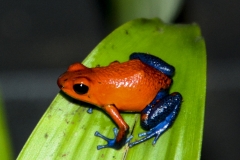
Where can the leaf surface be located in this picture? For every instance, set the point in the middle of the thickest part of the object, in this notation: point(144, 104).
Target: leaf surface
point(5, 144)
point(66, 131)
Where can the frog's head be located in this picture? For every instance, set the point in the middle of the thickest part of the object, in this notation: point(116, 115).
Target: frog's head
point(76, 82)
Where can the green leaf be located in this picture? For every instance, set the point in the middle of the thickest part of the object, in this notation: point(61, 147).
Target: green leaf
point(5, 146)
point(67, 131)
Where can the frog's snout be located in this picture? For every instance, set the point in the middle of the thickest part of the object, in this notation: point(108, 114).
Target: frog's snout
point(61, 81)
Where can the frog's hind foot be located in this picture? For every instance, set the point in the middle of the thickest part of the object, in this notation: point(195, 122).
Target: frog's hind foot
point(155, 132)
point(111, 143)
point(168, 108)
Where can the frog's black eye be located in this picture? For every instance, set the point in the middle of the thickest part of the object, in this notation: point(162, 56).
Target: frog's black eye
point(80, 88)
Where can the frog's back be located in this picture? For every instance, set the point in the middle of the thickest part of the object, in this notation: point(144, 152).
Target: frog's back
point(130, 85)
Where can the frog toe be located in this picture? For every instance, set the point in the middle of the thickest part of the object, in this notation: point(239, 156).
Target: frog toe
point(90, 110)
point(111, 143)
point(147, 135)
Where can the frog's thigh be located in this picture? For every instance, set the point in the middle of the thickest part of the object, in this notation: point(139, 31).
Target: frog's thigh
point(154, 62)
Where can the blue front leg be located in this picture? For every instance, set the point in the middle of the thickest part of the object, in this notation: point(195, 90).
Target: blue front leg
point(159, 117)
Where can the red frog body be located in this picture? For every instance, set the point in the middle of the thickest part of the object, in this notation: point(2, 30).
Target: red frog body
point(114, 84)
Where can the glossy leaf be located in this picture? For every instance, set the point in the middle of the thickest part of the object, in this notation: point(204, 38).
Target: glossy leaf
point(67, 131)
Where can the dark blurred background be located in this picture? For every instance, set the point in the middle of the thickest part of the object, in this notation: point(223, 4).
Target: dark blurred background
point(39, 39)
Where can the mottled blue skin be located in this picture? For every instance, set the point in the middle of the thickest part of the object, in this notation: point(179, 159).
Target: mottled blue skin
point(159, 115)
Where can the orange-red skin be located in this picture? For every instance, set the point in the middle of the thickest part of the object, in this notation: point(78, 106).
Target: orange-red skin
point(128, 86)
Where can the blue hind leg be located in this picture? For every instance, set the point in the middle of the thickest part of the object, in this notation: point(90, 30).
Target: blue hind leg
point(160, 117)
point(148, 109)
point(154, 62)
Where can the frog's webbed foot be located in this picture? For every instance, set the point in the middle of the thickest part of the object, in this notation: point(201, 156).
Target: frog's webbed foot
point(111, 143)
point(162, 116)
point(155, 132)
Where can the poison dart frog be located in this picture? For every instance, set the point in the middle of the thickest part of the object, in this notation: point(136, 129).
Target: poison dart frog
point(138, 85)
